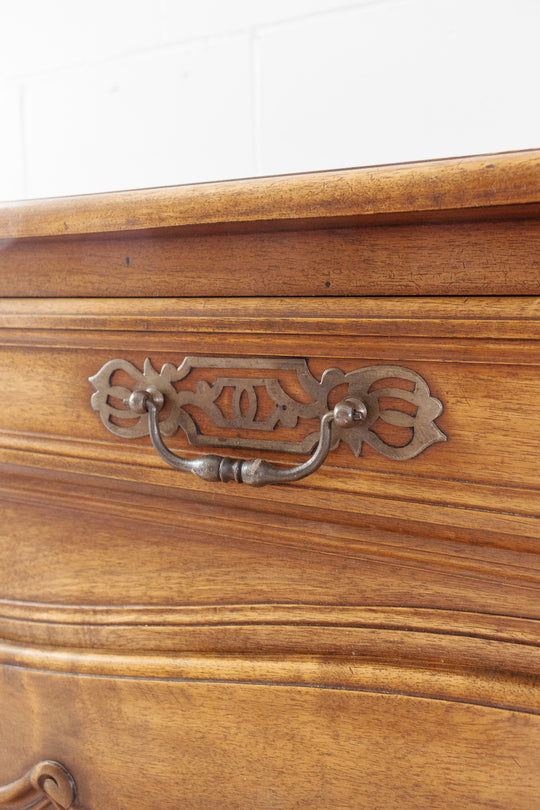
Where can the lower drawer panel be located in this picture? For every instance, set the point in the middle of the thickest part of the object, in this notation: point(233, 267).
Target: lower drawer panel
point(170, 743)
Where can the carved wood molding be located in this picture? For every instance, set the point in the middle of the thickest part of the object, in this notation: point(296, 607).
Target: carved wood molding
point(47, 785)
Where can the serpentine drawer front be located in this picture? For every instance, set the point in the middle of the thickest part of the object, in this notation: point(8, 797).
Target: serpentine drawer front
point(341, 608)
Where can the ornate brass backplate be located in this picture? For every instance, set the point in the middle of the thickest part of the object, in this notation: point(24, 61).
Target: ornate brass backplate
point(394, 395)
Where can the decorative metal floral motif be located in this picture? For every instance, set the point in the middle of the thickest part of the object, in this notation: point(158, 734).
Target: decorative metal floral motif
point(410, 407)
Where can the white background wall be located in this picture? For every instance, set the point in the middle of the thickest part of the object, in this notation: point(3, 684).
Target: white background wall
point(118, 94)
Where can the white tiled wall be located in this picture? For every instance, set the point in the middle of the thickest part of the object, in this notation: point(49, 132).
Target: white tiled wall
point(163, 116)
point(12, 168)
point(131, 93)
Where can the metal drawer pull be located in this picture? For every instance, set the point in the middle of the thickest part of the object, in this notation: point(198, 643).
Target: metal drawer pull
point(47, 785)
point(388, 407)
point(255, 472)
point(247, 401)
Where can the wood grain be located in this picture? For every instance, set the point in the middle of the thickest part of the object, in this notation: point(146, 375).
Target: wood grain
point(479, 317)
point(471, 258)
point(224, 567)
point(486, 181)
point(317, 234)
point(365, 749)
point(368, 637)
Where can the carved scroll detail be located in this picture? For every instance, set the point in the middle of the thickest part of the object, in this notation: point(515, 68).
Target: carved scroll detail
point(411, 407)
point(47, 785)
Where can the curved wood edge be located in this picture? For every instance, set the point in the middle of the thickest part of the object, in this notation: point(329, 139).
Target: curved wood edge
point(434, 620)
point(47, 785)
point(438, 621)
point(511, 178)
point(436, 674)
point(38, 636)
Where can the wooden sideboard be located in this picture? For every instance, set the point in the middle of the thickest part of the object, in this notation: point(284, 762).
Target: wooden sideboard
point(364, 637)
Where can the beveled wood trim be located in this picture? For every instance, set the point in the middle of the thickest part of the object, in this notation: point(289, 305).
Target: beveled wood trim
point(343, 516)
point(505, 179)
point(378, 348)
point(481, 317)
point(497, 627)
point(488, 678)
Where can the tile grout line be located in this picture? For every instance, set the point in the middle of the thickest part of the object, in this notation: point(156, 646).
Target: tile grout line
point(24, 140)
point(255, 102)
point(312, 16)
point(164, 45)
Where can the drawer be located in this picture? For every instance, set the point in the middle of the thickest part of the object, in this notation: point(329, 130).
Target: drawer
point(363, 531)
point(187, 741)
point(478, 357)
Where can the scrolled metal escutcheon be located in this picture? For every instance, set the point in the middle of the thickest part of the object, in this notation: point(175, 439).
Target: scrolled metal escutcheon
point(153, 405)
point(47, 785)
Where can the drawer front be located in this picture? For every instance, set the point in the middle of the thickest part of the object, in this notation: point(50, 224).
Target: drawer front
point(195, 743)
point(415, 533)
point(479, 359)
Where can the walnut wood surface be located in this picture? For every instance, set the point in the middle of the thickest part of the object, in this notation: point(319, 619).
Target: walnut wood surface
point(267, 745)
point(196, 631)
point(466, 227)
point(368, 637)
point(472, 258)
point(155, 572)
point(458, 184)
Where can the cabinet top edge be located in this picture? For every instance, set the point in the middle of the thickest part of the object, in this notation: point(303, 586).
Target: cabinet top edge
point(317, 199)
